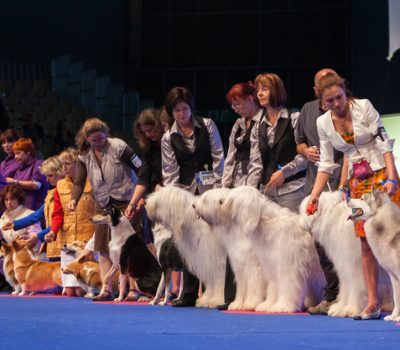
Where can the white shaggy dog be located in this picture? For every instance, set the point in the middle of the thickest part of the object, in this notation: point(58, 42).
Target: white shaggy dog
point(286, 253)
point(200, 249)
point(332, 229)
point(382, 228)
point(250, 286)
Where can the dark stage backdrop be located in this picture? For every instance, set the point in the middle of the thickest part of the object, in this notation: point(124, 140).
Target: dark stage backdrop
point(207, 45)
point(91, 31)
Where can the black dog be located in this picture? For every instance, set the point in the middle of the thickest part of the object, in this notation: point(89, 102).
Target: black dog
point(137, 261)
point(169, 259)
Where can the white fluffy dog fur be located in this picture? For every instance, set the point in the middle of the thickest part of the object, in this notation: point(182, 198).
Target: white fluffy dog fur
point(200, 249)
point(332, 229)
point(286, 253)
point(250, 286)
point(382, 228)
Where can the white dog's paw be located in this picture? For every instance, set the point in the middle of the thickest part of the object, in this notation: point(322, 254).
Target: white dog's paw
point(283, 308)
point(395, 318)
point(153, 302)
point(350, 311)
point(251, 304)
point(202, 302)
point(235, 305)
point(89, 295)
point(119, 299)
point(213, 303)
point(341, 310)
point(15, 292)
point(144, 298)
point(264, 306)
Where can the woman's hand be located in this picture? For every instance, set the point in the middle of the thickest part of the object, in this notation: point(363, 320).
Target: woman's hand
point(312, 154)
point(10, 180)
point(277, 179)
point(8, 226)
point(312, 205)
point(389, 187)
point(130, 210)
point(72, 205)
point(50, 237)
point(23, 235)
point(32, 241)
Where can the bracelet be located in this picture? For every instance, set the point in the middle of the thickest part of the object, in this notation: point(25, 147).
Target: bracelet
point(16, 182)
point(131, 205)
point(343, 188)
point(392, 181)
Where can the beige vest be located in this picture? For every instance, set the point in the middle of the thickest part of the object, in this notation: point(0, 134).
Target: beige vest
point(76, 224)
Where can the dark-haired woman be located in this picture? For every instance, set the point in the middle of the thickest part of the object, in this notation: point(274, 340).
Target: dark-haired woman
point(13, 199)
point(192, 145)
point(9, 165)
point(148, 130)
point(191, 153)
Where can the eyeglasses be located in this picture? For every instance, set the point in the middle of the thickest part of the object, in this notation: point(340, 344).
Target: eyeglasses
point(235, 106)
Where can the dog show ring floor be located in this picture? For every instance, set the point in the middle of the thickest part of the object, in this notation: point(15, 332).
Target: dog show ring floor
point(54, 322)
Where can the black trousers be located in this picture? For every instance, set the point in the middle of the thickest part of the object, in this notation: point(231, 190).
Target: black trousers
point(190, 289)
point(331, 289)
point(4, 286)
point(230, 284)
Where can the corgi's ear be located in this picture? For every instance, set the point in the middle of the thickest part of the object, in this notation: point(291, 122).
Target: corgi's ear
point(81, 259)
point(5, 247)
point(15, 245)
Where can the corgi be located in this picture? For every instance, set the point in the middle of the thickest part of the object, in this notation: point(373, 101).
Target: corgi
point(88, 275)
point(32, 274)
point(75, 249)
point(7, 251)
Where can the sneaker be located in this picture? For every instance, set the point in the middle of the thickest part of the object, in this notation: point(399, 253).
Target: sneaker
point(321, 309)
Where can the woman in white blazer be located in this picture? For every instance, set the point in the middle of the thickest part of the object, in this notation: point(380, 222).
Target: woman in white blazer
point(354, 127)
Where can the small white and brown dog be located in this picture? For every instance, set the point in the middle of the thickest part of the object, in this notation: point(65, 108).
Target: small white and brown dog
point(84, 267)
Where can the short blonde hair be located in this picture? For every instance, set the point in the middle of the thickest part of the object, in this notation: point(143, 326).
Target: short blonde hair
point(70, 155)
point(52, 166)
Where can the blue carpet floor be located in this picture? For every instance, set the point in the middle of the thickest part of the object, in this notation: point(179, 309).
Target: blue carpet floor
point(76, 323)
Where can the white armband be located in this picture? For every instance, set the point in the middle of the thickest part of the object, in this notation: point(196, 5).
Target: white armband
point(136, 161)
point(38, 184)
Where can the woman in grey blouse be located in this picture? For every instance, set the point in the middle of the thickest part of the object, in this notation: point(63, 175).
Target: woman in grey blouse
point(243, 99)
point(275, 167)
point(192, 145)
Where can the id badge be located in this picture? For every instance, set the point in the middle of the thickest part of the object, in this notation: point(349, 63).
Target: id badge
point(205, 178)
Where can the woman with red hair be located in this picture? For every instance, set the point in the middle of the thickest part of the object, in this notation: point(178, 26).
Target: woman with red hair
point(28, 177)
point(243, 99)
